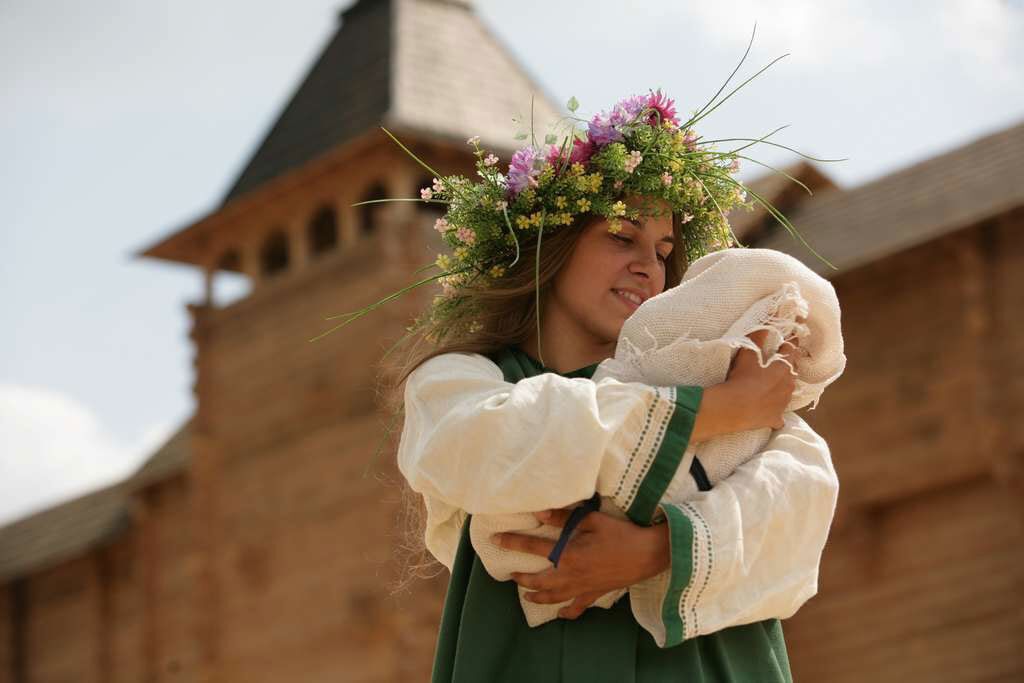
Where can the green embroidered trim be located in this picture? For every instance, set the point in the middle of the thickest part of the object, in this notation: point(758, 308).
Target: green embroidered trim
point(680, 534)
point(674, 442)
point(641, 441)
point(700, 525)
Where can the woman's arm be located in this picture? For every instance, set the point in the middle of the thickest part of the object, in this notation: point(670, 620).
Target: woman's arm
point(486, 446)
point(474, 443)
point(748, 549)
point(744, 551)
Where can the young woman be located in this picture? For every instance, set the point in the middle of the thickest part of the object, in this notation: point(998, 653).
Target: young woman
point(502, 416)
point(489, 429)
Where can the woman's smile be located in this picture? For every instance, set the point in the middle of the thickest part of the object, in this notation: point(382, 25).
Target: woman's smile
point(630, 299)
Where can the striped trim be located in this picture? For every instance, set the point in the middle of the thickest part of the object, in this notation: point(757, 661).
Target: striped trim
point(702, 565)
point(684, 558)
point(673, 438)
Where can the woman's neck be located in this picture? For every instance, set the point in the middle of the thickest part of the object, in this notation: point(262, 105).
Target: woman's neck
point(567, 347)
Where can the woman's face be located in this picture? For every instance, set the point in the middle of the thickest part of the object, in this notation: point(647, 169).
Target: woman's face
point(608, 275)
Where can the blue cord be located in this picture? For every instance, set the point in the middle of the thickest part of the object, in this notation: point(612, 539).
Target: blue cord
point(575, 517)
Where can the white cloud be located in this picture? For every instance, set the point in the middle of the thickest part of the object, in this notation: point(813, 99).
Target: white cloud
point(53, 448)
point(986, 32)
point(840, 34)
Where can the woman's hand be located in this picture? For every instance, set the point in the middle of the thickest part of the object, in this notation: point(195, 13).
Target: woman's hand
point(604, 553)
point(751, 397)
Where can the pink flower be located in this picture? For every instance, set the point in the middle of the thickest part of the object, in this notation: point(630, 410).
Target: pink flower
point(438, 185)
point(426, 193)
point(665, 108)
point(734, 166)
point(666, 178)
point(466, 235)
point(490, 160)
point(441, 225)
point(580, 152)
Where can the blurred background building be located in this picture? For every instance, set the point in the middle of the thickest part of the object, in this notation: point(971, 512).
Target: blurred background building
point(258, 543)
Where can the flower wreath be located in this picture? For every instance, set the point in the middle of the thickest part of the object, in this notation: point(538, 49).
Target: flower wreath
point(639, 147)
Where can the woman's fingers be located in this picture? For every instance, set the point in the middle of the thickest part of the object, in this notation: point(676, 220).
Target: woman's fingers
point(524, 543)
point(559, 517)
point(550, 597)
point(548, 579)
point(578, 606)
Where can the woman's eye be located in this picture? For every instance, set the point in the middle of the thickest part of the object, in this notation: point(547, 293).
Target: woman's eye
point(620, 238)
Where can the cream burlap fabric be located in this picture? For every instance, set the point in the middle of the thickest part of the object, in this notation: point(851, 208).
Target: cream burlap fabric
point(688, 335)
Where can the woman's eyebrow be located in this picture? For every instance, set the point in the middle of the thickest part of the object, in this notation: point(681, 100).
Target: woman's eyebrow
point(667, 238)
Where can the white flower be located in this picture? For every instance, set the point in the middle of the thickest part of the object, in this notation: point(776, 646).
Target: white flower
point(490, 160)
point(475, 140)
point(635, 157)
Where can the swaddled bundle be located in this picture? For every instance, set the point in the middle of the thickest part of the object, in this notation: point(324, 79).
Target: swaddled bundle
point(688, 335)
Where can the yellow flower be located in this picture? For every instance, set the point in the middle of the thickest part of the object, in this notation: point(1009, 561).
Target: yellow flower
point(619, 209)
point(595, 182)
point(497, 271)
point(461, 253)
point(536, 217)
point(614, 226)
point(560, 202)
point(576, 168)
point(584, 204)
point(522, 222)
point(443, 261)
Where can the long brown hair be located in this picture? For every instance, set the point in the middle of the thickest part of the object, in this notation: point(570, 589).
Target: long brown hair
point(505, 314)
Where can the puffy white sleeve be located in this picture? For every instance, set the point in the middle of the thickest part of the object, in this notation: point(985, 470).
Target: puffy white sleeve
point(474, 443)
point(747, 549)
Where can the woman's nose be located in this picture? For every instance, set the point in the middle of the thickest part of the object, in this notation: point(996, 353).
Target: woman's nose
point(645, 262)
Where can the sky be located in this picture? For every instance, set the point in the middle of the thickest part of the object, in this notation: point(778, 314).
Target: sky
point(124, 122)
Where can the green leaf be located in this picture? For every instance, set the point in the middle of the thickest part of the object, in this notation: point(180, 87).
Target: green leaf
point(522, 136)
point(573, 104)
point(549, 139)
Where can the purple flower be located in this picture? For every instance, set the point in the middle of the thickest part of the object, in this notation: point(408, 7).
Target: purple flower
point(602, 130)
point(606, 127)
point(630, 107)
point(522, 170)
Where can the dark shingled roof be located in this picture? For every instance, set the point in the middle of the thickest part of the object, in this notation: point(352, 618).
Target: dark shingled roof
point(427, 66)
point(66, 530)
point(916, 204)
point(346, 92)
point(780, 192)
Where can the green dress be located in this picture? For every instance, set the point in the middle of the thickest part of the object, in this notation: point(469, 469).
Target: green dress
point(484, 637)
